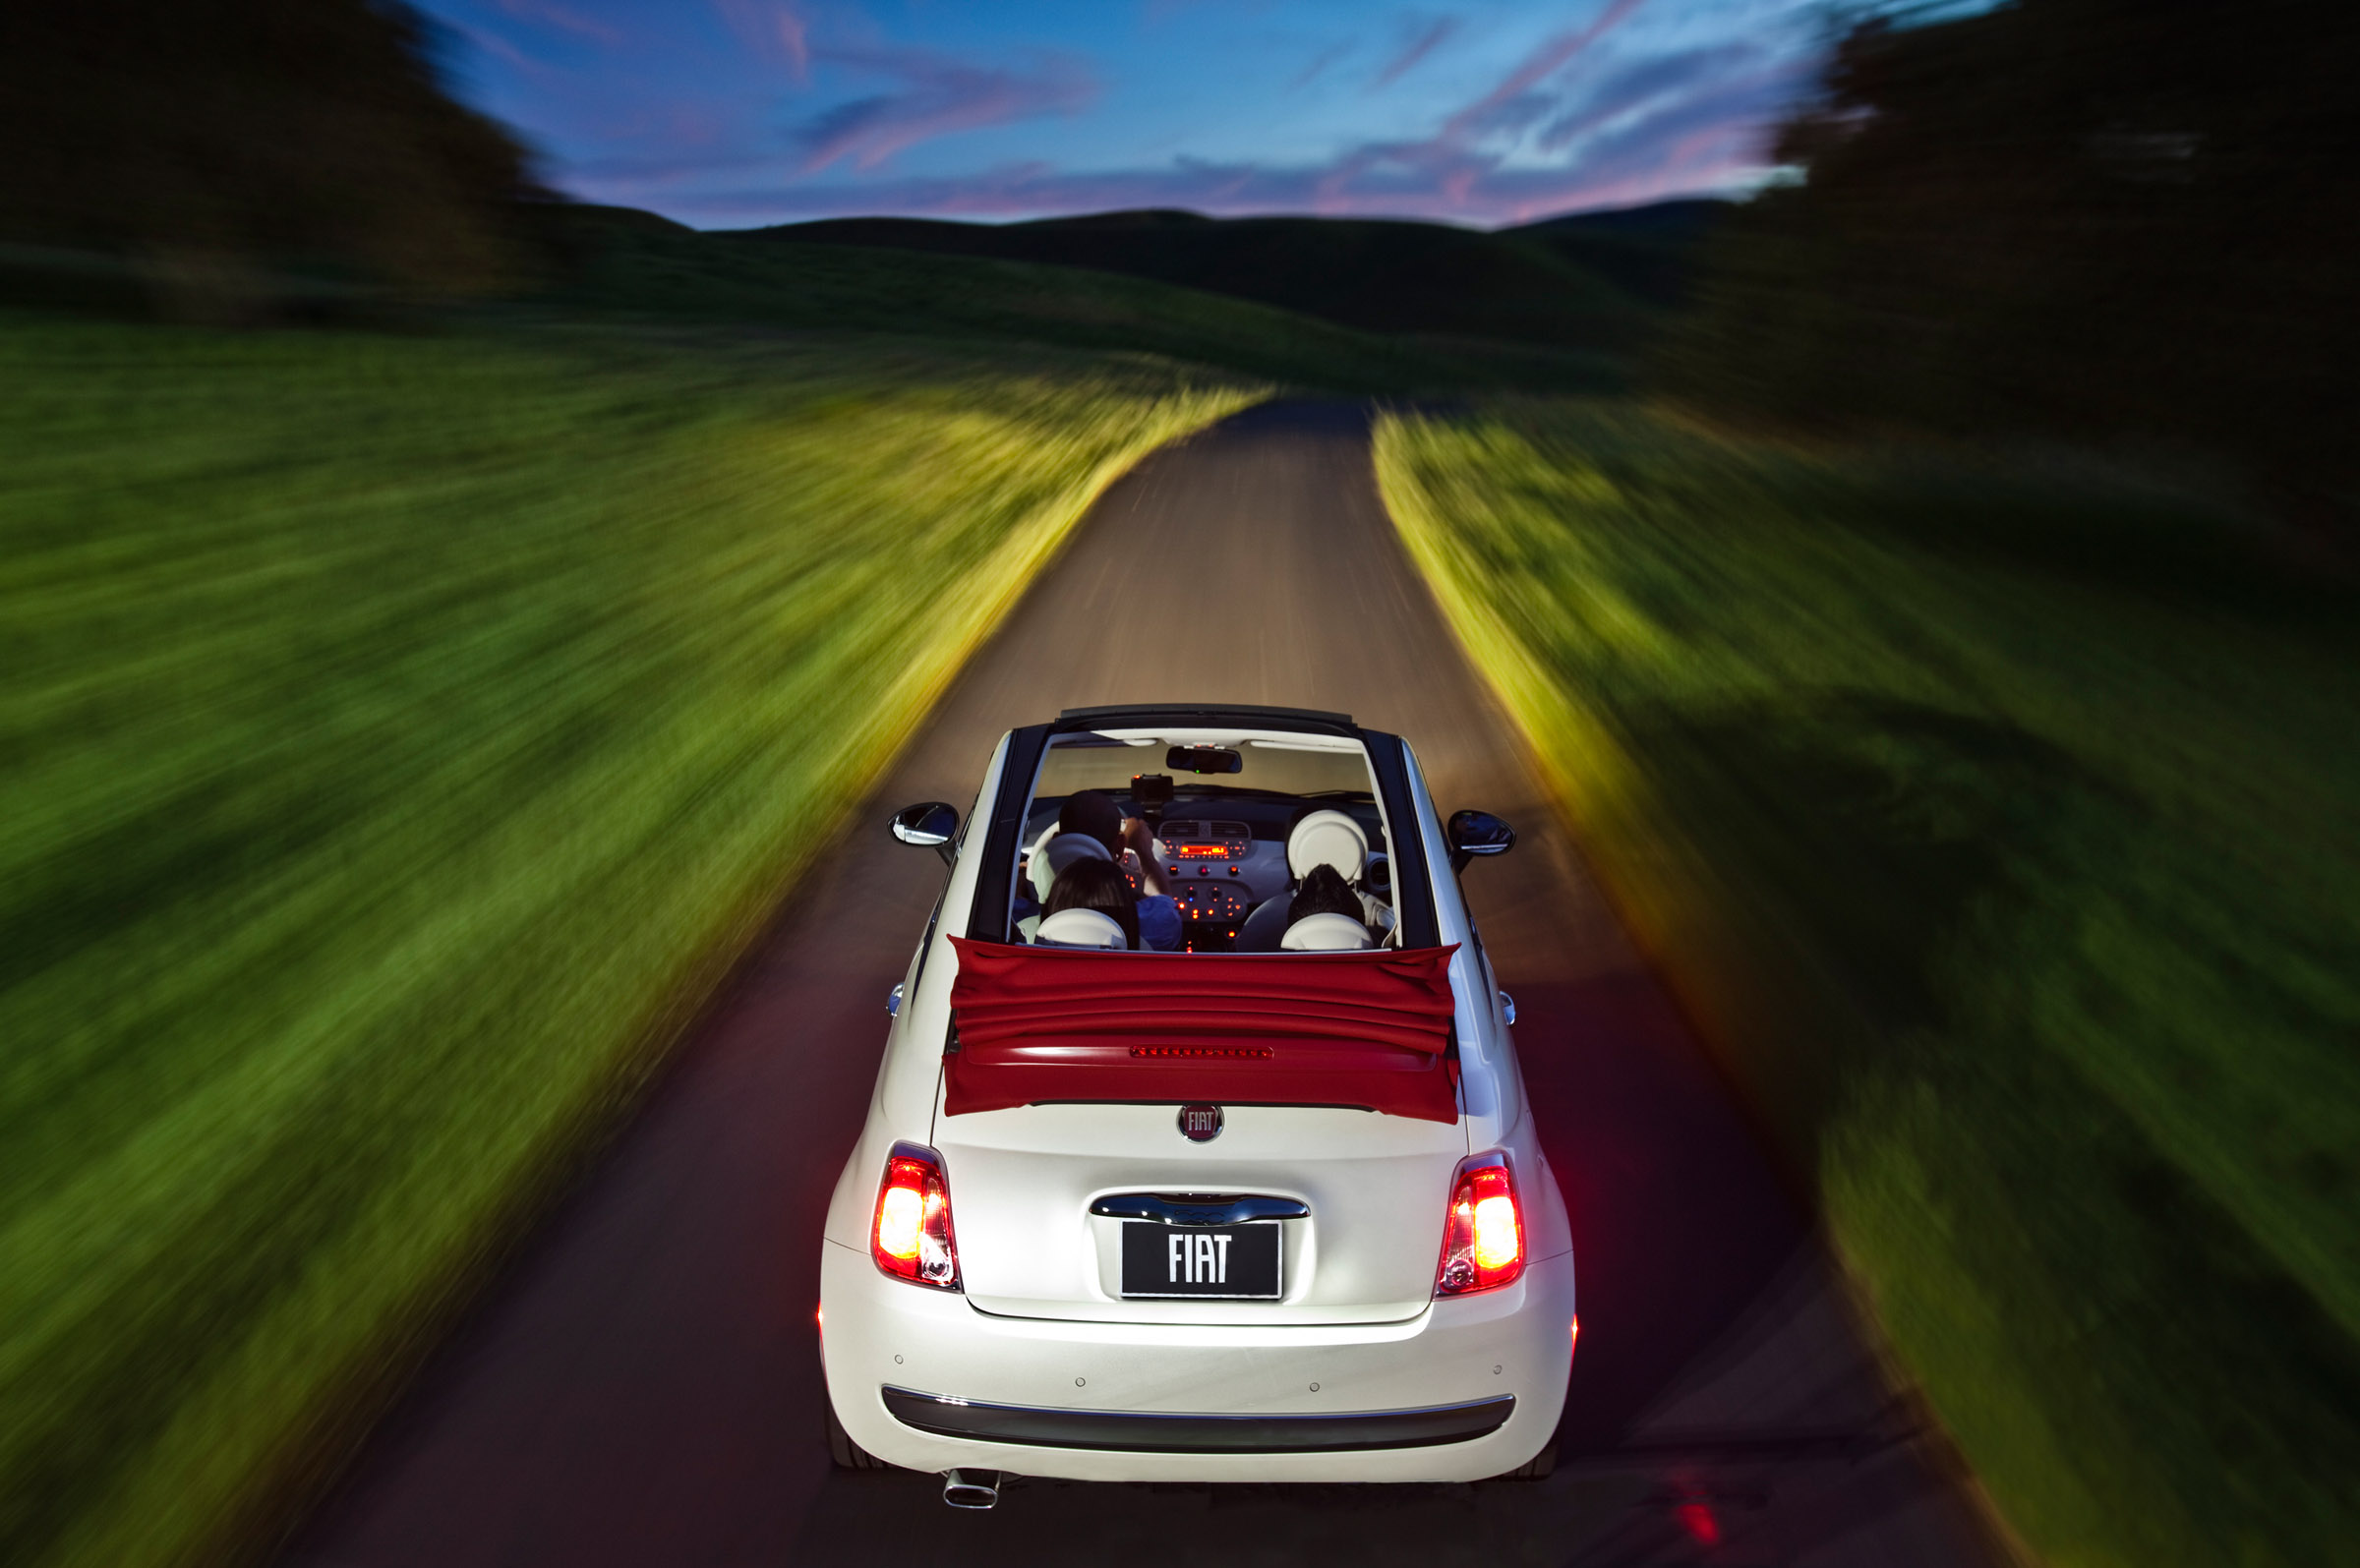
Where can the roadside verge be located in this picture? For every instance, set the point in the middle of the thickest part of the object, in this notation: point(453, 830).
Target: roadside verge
point(403, 734)
point(1989, 824)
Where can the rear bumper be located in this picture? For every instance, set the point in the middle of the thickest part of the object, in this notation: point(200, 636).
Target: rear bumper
point(1468, 1388)
point(1196, 1432)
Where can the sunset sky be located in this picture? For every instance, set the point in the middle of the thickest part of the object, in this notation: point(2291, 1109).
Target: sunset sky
point(735, 112)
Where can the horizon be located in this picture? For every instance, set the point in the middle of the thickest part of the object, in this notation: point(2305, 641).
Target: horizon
point(1481, 115)
point(1170, 211)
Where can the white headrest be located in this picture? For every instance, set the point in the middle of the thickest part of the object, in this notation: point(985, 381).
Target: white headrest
point(1053, 851)
point(1327, 838)
point(1081, 928)
point(1324, 933)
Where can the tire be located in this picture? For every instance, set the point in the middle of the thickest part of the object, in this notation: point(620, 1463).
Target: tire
point(1538, 1468)
point(842, 1452)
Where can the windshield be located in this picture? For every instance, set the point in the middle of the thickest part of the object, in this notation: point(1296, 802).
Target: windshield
point(1199, 828)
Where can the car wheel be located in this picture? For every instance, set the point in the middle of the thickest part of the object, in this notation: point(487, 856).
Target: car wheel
point(842, 1452)
point(1537, 1468)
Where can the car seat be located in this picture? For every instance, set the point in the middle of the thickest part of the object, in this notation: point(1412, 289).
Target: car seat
point(1326, 933)
point(1323, 837)
point(1328, 838)
point(1081, 928)
point(1053, 851)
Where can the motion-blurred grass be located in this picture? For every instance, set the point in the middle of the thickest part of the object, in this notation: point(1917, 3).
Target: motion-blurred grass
point(2006, 835)
point(397, 735)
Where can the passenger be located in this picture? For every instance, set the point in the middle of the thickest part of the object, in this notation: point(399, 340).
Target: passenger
point(1099, 888)
point(1326, 915)
point(1325, 838)
point(1093, 815)
point(1324, 892)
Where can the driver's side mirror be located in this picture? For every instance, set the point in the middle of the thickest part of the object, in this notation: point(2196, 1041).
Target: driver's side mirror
point(930, 825)
point(1474, 835)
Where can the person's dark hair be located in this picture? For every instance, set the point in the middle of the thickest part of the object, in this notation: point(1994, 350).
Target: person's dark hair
point(1326, 891)
point(1094, 811)
point(1101, 886)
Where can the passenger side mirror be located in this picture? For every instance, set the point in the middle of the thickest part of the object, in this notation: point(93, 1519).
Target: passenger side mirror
point(931, 825)
point(1476, 833)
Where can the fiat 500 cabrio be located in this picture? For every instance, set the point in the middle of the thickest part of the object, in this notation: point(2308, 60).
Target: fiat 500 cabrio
point(1198, 1150)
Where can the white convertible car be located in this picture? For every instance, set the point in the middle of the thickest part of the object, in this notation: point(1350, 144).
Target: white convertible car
point(1264, 1206)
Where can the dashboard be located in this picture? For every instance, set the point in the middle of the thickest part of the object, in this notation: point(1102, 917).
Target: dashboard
point(1204, 867)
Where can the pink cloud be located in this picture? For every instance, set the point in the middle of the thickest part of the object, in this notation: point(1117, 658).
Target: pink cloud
point(1319, 65)
point(1542, 62)
point(934, 95)
point(555, 16)
point(1428, 39)
point(499, 48)
point(773, 29)
point(794, 37)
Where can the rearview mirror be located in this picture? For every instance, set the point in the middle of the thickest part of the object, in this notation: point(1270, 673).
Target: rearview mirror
point(1205, 759)
point(1474, 834)
point(930, 825)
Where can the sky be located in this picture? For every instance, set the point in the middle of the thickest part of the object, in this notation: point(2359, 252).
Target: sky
point(734, 113)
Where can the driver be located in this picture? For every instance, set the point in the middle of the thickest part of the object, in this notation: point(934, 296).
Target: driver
point(1092, 817)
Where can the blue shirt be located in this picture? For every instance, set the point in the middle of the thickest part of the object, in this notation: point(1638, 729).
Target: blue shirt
point(1158, 924)
point(1159, 928)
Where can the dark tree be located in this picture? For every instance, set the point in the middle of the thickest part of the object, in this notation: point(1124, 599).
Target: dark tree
point(304, 130)
point(2092, 216)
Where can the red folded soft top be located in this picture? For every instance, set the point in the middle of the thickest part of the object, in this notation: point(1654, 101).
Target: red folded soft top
point(1368, 1029)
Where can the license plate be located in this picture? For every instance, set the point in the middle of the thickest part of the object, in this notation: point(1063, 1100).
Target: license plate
point(1224, 1263)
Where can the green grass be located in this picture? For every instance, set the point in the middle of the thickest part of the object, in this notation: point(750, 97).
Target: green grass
point(630, 264)
point(398, 736)
point(2005, 834)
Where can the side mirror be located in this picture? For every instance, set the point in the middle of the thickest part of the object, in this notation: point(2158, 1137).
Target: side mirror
point(930, 825)
point(1477, 834)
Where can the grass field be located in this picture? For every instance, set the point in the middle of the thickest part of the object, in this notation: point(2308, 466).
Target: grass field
point(2005, 837)
point(398, 733)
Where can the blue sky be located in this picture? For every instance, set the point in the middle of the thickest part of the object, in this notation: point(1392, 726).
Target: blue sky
point(724, 113)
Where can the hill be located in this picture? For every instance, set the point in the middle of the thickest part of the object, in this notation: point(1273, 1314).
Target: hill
point(856, 276)
point(1651, 252)
point(1563, 287)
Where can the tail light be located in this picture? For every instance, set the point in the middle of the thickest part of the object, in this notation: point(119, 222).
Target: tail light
point(1483, 1236)
point(910, 1235)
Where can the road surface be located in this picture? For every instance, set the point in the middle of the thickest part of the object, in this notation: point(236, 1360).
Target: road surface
point(642, 1385)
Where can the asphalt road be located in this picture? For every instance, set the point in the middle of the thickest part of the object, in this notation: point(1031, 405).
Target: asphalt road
point(642, 1385)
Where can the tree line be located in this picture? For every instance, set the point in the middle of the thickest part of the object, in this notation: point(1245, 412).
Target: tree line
point(319, 133)
point(2091, 217)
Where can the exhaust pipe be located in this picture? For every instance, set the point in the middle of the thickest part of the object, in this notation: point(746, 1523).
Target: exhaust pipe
point(970, 1488)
